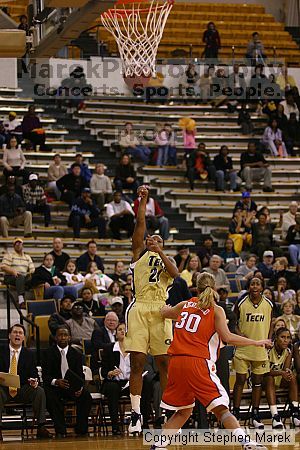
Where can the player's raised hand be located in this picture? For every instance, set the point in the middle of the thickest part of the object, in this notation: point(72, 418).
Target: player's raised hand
point(142, 191)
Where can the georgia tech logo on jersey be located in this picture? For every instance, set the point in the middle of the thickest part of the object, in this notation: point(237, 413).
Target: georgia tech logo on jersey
point(254, 317)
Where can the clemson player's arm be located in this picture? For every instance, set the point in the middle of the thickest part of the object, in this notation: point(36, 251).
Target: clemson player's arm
point(171, 312)
point(140, 226)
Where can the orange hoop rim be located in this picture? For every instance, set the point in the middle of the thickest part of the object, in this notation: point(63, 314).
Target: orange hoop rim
point(124, 11)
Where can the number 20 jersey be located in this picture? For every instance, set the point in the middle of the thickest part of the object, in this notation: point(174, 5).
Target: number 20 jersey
point(151, 280)
point(195, 333)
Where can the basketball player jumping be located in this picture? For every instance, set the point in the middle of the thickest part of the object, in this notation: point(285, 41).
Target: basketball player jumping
point(147, 330)
point(200, 325)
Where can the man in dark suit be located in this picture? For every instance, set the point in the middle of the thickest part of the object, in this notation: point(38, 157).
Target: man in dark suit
point(102, 339)
point(60, 361)
point(17, 360)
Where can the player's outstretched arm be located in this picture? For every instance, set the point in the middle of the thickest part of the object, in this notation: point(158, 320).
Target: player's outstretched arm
point(140, 226)
point(231, 338)
point(172, 312)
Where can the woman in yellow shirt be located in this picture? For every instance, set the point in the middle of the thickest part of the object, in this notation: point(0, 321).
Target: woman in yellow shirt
point(194, 265)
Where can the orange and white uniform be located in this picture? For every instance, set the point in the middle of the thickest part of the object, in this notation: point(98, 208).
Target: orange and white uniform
point(192, 369)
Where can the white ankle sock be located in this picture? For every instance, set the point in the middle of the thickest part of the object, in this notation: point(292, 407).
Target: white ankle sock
point(135, 403)
point(239, 432)
point(274, 410)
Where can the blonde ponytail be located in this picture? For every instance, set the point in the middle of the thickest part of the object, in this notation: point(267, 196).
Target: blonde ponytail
point(207, 295)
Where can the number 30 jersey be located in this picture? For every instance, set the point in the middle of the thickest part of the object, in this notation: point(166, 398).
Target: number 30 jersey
point(151, 280)
point(195, 333)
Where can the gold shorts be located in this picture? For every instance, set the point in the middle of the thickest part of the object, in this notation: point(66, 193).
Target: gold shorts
point(257, 367)
point(146, 331)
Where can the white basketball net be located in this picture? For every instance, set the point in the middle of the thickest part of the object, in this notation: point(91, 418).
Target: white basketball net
point(138, 32)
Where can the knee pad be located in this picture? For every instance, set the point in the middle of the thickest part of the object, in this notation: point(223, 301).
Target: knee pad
point(225, 416)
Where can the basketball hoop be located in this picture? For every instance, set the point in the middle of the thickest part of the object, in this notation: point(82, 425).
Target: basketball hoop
point(137, 28)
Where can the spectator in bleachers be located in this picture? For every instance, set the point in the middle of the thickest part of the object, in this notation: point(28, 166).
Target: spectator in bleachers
point(127, 295)
point(194, 265)
point(281, 291)
point(117, 306)
point(240, 229)
point(258, 86)
point(237, 84)
point(125, 175)
point(80, 325)
point(246, 203)
point(89, 256)
point(90, 306)
point(98, 279)
point(254, 167)
point(12, 212)
point(206, 251)
point(114, 290)
point(224, 170)
point(290, 106)
point(246, 270)
point(18, 268)
point(60, 318)
point(200, 166)
point(101, 186)
point(19, 360)
point(85, 214)
point(244, 120)
point(12, 127)
point(32, 129)
point(130, 143)
point(35, 198)
point(291, 134)
point(229, 256)
point(289, 218)
point(119, 273)
point(182, 257)
point(54, 282)
point(285, 81)
point(192, 79)
point(293, 240)
point(3, 135)
point(281, 376)
point(155, 217)
point(11, 180)
point(14, 161)
point(60, 257)
point(85, 171)
point(212, 41)
point(206, 83)
point(292, 321)
point(218, 273)
point(255, 49)
point(56, 171)
point(71, 185)
point(120, 215)
point(71, 274)
point(58, 360)
point(272, 138)
point(102, 338)
point(165, 141)
point(266, 266)
point(262, 236)
point(75, 88)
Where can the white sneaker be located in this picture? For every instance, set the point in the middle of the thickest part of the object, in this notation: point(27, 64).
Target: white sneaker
point(135, 425)
point(276, 422)
point(256, 423)
point(295, 421)
point(252, 445)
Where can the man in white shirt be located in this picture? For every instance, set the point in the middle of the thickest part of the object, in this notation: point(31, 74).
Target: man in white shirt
point(101, 187)
point(219, 274)
point(120, 215)
point(289, 218)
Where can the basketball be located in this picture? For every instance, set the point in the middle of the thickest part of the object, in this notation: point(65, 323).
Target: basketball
point(137, 81)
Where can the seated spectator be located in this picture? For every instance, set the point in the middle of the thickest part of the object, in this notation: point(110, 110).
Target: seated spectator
point(237, 84)
point(89, 256)
point(244, 120)
point(71, 185)
point(193, 287)
point(60, 257)
point(58, 360)
point(80, 325)
point(206, 251)
point(264, 210)
point(192, 79)
point(85, 171)
point(54, 282)
point(182, 257)
point(266, 266)
point(164, 139)
point(262, 237)
point(56, 170)
point(194, 265)
point(281, 118)
point(75, 88)
point(85, 214)
point(272, 138)
point(255, 49)
point(101, 186)
point(285, 81)
point(99, 279)
point(219, 274)
point(246, 203)
point(293, 239)
point(120, 215)
point(127, 295)
point(281, 376)
point(119, 273)
point(12, 127)
point(130, 144)
point(290, 106)
point(117, 307)
point(60, 318)
point(3, 135)
point(282, 293)
point(154, 217)
point(14, 161)
point(280, 268)
point(18, 268)
point(199, 166)
point(35, 198)
point(32, 129)
point(90, 306)
point(246, 270)
point(11, 180)
point(224, 170)
point(114, 290)
point(277, 322)
point(206, 83)
point(229, 256)
point(102, 338)
point(19, 360)
point(240, 229)
point(212, 41)
point(12, 213)
point(254, 167)
point(73, 277)
point(125, 175)
point(291, 134)
point(291, 320)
